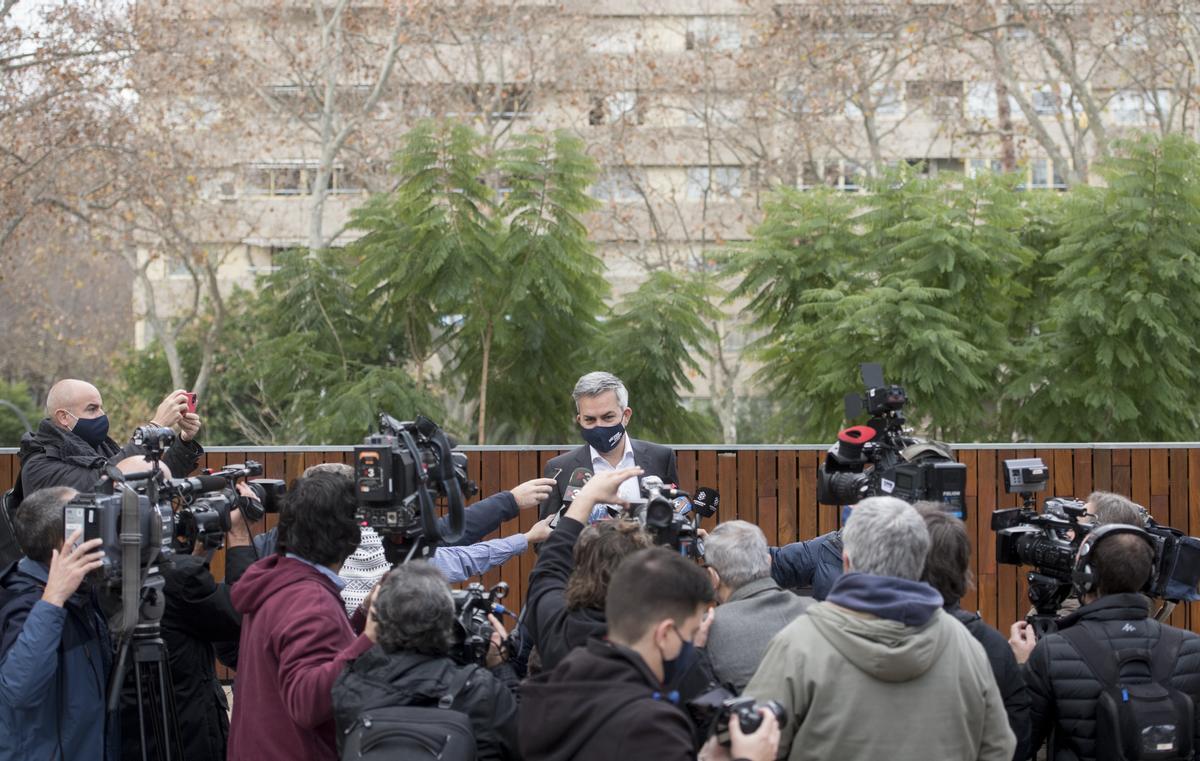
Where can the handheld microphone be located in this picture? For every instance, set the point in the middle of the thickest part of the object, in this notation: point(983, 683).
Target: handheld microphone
point(682, 504)
point(706, 501)
point(579, 477)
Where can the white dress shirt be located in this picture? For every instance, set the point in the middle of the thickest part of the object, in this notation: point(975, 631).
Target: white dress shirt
point(630, 488)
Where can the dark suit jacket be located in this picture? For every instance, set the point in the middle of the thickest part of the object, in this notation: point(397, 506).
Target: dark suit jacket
point(655, 459)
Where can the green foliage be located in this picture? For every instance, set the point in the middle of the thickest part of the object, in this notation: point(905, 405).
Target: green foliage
point(1116, 354)
point(656, 339)
point(918, 275)
point(11, 427)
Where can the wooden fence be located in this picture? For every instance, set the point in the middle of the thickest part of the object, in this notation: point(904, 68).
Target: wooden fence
point(776, 489)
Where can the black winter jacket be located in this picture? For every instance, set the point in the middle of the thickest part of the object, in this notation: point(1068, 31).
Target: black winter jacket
point(1008, 675)
point(555, 630)
point(377, 679)
point(198, 616)
point(54, 457)
point(602, 703)
point(1063, 690)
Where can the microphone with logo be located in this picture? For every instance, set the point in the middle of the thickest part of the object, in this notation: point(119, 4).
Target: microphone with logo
point(579, 478)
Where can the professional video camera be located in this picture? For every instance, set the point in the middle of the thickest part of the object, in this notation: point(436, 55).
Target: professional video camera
point(397, 472)
point(1049, 542)
point(207, 501)
point(881, 458)
point(672, 517)
point(472, 630)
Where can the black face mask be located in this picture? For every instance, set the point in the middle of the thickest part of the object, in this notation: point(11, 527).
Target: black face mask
point(603, 438)
point(92, 430)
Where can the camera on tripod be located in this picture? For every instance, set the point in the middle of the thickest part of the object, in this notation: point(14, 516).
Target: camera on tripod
point(1049, 542)
point(672, 517)
point(397, 472)
point(881, 458)
point(472, 630)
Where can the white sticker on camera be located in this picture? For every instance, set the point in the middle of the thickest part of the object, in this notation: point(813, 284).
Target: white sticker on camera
point(887, 486)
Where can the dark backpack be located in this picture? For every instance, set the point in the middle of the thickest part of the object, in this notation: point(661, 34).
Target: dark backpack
point(1138, 721)
point(384, 733)
point(9, 501)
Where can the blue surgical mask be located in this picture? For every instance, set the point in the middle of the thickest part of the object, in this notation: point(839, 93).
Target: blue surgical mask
point(604, 438)
point(676, 667)
point(92, 430)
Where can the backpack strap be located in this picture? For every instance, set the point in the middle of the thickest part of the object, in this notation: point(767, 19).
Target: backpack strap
point(1100, 659)
point(457, 684)
point(1166, 653)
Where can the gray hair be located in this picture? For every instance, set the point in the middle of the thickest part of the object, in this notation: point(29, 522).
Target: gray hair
point(594, 384)
point(414, 610)
point(737, 551)
point(1113, 508)
point(885, 536)
point(38, 522)
point(336, 468)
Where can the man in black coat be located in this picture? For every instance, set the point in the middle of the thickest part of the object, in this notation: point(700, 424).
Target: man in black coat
point(946, 570)
point(72, 446)
point(1114, 564)
point(602, 412)
point(610, 700)
point(411, 622)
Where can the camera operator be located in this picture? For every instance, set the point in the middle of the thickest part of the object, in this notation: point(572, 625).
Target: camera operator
point(752, 609)
point(602, 412)
point(947, 570)
point(55, 650)
point(610, 699)
point(1113, 565)
point(1101, 509)
point(295, 636)
point(879, 657)
point(72, 447)
point(198, 621)
point(567, 587)
point(366, 565)
point(412, 620)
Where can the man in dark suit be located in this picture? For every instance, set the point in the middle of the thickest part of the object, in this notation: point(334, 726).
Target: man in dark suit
point(602, 412)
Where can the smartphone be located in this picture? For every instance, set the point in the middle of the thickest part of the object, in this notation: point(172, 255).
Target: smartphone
point(191, 401)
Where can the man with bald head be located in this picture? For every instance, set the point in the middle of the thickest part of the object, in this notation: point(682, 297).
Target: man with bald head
point(72, 446)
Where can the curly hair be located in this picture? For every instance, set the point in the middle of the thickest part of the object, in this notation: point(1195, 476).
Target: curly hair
point(414, 610)
point(316, 521)
point(600, 549)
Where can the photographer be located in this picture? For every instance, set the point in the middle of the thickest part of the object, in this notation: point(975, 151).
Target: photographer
point(295, 637)
point(1064, 670)
point(752, 609)
point(55, 651)
point(609, 700)
point(947, 570)
point(72, 447)
point(198, 620)
point(567, 587)
point(412, 620)
point(879, 657)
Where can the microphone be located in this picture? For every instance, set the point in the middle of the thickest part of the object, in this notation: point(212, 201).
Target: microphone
point(195, 484)
point(579, 477)
point(706, 501)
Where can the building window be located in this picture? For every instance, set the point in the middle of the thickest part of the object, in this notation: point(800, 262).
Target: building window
point(508, 101)
point(261, 260)
point(617, 41)
point(616, 184)
point(1040, 175)
point(717, 181)
point(936, 98)
point(296, 178)
point(885, 99)
point(835, 173)
point(713, 33)
point(1135, 107)
point(978, 167)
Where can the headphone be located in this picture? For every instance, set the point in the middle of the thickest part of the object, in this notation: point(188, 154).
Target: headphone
point(1083, 578)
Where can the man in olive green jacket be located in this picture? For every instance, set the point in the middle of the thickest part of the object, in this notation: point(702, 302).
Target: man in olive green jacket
point(879, 670)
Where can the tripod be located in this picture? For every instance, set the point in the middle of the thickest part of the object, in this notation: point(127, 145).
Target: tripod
point(153, 693)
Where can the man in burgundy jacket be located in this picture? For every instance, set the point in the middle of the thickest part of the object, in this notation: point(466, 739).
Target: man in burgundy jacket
point(296, 638)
